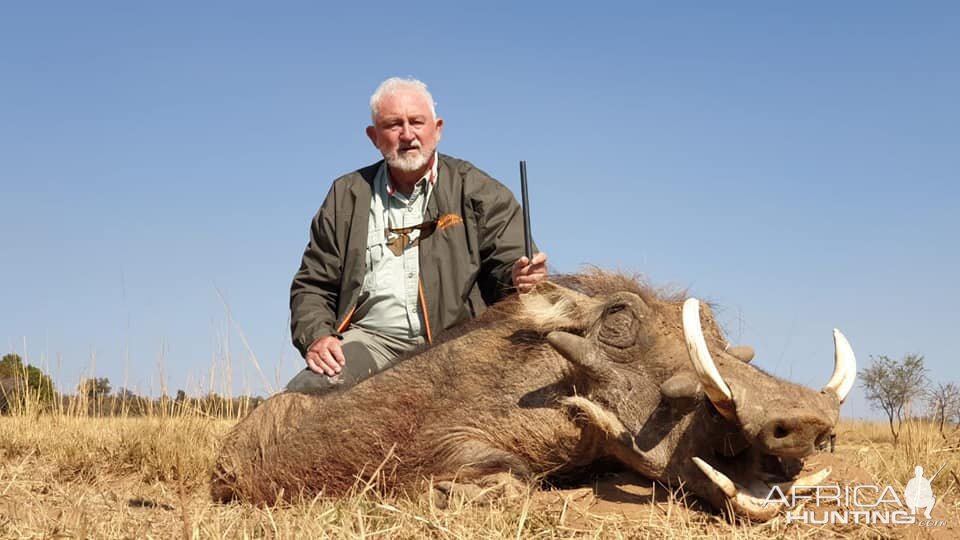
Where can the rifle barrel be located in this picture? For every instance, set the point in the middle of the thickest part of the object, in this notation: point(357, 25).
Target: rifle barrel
point(937, 473)
point(527, 238)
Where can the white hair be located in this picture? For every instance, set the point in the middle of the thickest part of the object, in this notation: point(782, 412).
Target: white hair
point(397, 84)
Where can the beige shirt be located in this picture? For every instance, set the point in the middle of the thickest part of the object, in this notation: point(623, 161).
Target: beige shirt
point(389, 298)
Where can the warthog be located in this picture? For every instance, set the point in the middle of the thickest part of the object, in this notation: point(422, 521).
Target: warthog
point(546, 384)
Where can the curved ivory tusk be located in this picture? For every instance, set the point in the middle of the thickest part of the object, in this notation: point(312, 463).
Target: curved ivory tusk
point(716, 389)
point(844, 367)
point(741, 503)
point(805, 483)
point(721, 480)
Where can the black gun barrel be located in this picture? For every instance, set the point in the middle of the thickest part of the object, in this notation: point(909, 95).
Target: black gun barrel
point(527, 238)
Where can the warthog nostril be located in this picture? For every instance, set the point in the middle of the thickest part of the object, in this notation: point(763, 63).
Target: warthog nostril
point(792, 433)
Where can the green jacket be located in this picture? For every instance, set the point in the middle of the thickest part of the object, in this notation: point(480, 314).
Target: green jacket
point(465, 264)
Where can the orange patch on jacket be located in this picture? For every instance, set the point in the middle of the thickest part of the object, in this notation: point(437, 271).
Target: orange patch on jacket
point(448, 220)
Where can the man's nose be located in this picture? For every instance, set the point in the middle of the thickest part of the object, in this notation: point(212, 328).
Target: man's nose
point(407, 133)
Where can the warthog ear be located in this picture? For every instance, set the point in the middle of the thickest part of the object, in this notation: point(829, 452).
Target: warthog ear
point(551, 307)
point(582, 354)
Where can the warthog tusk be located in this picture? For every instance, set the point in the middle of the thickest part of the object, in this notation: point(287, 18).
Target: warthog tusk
point(805, 483)
point(717, 390)
point(750, 506)
point(721, 480)
point(844, 367)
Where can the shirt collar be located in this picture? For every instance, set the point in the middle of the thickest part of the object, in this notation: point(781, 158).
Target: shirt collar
point(430, 176)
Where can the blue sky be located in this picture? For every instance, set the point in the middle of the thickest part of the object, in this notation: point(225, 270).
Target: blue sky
point(795, 163)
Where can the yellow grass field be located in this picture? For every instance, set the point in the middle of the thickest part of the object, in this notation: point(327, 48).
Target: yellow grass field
point(68, 475)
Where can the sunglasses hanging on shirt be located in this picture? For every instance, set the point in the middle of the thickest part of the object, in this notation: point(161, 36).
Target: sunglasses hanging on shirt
point(402, 241)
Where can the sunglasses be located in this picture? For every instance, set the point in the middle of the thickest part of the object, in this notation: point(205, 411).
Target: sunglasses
point(402, 241)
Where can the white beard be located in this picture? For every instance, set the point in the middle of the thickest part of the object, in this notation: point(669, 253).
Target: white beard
point(408, 162)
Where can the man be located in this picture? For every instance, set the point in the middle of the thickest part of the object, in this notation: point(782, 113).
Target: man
point(402, 249)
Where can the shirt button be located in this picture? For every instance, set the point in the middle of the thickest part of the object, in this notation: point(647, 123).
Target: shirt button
point(410, 275)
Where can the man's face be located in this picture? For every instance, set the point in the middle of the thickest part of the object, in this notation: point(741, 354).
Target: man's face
point(405, 131)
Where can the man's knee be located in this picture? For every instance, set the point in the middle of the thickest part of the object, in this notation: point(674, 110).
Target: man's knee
point(360, 365)
point(310, 382)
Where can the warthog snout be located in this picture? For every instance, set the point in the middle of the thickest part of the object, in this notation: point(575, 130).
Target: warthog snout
point(793, 434)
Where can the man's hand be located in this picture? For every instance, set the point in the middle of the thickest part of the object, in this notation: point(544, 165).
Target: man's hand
point(325, 356)
point(527, 273)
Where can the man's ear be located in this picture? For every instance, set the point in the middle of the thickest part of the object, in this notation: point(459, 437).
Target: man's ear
point(439, 128)
point(372, 135)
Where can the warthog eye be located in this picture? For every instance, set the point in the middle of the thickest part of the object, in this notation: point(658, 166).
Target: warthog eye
point(620, 327)
point(615, 308)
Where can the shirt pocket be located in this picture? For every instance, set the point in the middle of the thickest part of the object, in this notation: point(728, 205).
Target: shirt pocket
point(374, 259)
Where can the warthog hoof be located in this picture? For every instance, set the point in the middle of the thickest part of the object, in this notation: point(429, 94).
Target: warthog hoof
point(486, 490)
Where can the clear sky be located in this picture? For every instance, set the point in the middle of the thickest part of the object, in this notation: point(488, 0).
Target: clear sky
point(795, 163)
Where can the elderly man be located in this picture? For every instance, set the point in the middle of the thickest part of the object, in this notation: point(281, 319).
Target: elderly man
point(402, 249)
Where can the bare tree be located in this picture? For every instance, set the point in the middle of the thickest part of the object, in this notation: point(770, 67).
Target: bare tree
point(944, 402)
point(891, 385)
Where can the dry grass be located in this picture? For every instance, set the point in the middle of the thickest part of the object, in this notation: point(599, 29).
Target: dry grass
point(72, 476)
point(870, 446)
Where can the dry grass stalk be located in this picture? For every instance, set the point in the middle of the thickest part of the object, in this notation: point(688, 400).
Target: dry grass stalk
point(69, 475)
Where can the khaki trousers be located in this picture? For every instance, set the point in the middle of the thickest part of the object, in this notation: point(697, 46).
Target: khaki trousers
point(366, 352)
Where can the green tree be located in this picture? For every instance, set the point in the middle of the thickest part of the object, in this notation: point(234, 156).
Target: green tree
point(38, 384)
point(95, 387)
point(891, 385)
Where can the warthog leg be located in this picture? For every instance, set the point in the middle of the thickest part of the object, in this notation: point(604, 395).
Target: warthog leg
point(485, 490)
point(484, 470)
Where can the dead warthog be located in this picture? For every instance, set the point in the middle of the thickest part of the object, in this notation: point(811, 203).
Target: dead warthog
point(547, 384)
